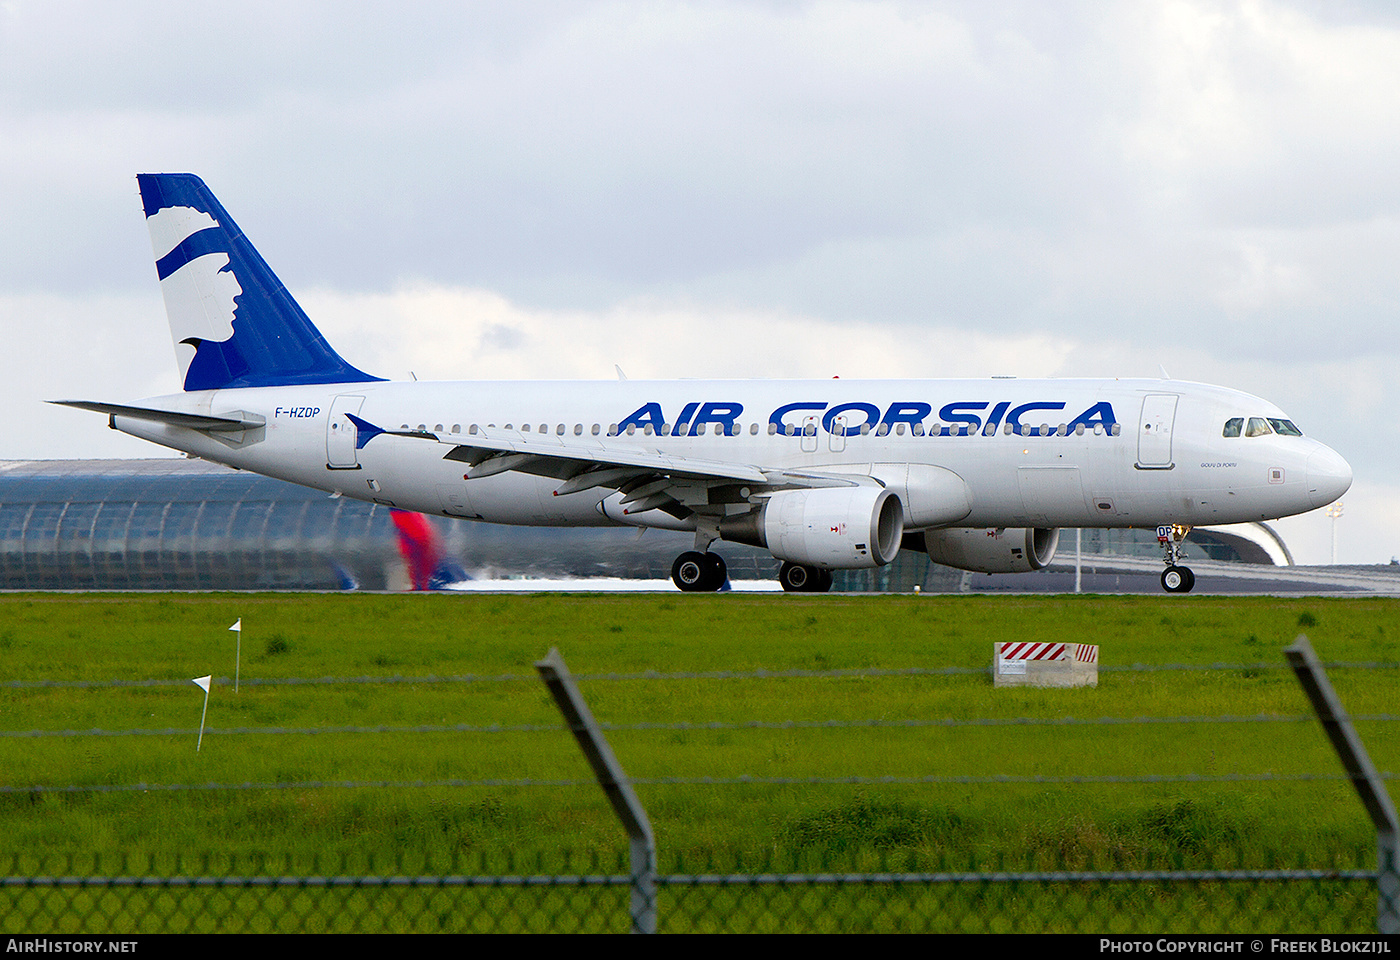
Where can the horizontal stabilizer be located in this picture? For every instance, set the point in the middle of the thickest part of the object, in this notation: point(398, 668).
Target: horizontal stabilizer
point(194, 421)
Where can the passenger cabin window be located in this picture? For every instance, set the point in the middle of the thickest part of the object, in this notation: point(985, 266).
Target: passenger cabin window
point(1285, 428)
point(1257, 427)
point(1233, 426)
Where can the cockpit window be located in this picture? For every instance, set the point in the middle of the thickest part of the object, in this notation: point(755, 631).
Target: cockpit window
point(1258, 427)
point(1233, 426)
point(1285, 428)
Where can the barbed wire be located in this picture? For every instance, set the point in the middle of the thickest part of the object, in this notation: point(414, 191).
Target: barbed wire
point(741, 780)
point(361, 882)
point(759, 674)
point(680, 725)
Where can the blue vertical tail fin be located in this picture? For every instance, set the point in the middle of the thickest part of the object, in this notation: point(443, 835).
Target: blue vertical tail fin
point(233, 322)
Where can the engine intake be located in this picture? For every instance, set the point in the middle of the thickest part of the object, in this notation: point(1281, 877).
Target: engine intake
point(993, 549)
point(835, 528)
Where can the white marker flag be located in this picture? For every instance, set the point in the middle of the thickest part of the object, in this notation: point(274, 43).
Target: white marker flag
point(237, 651)
point(203, 684)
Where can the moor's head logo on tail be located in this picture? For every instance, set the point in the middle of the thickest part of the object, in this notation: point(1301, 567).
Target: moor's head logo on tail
point(200, 290)
point(233, 322)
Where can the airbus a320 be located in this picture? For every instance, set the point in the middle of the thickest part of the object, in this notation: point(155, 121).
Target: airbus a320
point(823, 474)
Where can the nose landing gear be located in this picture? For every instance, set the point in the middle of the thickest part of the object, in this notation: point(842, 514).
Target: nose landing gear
point(1176, 578)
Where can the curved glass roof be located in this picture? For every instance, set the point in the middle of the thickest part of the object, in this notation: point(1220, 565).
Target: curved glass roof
point(180, 524)
point(176, 524)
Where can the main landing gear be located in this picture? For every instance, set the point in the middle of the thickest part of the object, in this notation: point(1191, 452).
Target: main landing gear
point(696, 572)
point(1176, 578)
point(797, 578)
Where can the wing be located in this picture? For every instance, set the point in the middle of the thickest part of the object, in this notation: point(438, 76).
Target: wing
point(648, 478)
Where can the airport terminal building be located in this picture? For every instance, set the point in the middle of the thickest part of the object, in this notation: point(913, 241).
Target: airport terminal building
point(177, 524)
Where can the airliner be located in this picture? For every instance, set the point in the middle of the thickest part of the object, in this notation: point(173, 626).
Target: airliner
point(823, 474)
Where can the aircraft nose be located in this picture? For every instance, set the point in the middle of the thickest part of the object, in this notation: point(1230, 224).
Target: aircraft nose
point(1329, 476)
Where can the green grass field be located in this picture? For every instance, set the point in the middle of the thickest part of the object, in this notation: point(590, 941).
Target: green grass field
point(1246, 799)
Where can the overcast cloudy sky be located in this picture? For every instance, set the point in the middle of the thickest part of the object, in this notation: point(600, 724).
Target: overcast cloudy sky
point(711, 189)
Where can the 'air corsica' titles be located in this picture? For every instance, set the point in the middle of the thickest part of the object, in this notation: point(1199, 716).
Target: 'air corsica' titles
point(851, 418)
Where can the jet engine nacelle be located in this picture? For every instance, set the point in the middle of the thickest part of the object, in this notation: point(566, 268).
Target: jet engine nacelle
point(993, 550)
point(835, 528)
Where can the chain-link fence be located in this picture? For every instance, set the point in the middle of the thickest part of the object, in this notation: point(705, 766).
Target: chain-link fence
point(583, 894)
point(817, 884)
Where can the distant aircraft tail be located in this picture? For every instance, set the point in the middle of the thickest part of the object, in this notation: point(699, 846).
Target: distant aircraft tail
point(429, 567)
point(233, 322)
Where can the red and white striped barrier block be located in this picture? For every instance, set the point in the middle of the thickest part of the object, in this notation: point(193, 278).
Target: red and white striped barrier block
point(1024, 663)
point(1032, 651)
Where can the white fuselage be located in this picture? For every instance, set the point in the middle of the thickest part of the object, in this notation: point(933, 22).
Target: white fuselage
point(1112, 453)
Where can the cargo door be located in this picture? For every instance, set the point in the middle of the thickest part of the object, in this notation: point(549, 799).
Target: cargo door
point(1051, 495)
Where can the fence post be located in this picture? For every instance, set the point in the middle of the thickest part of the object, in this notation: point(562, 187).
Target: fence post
point(1364, 778)
point(615, 785)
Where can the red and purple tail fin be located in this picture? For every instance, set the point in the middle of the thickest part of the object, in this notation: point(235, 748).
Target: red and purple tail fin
point(429, 568)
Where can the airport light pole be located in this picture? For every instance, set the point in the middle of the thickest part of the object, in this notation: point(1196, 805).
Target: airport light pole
point(1078, 557)
point(1334, 511)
